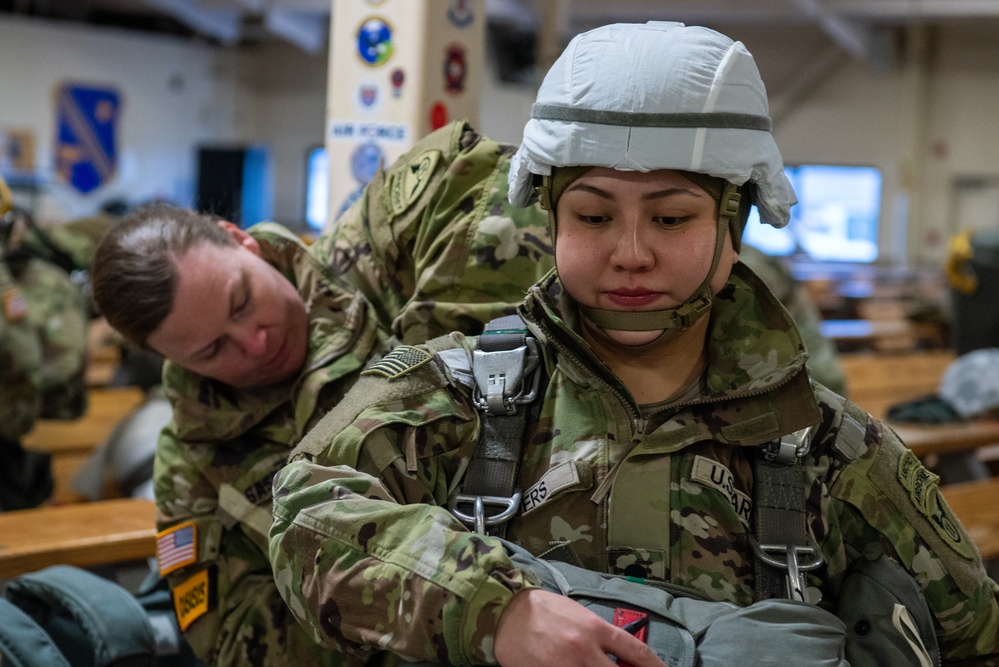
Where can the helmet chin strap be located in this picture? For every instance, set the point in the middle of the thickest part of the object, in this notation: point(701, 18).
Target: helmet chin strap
point(672, 321)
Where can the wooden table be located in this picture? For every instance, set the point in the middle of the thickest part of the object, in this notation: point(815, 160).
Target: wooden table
point(948, 438)
point(83, 534)
point(875, 382)
point(952, 450)
point(976, 504)
point(71, 442)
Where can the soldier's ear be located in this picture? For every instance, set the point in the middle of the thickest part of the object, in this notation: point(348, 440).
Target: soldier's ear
point(241, 236)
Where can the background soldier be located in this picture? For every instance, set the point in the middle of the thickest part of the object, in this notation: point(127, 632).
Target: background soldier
point(43, 354)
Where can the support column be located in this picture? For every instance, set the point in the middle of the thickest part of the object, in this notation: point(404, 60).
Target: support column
point(398, 70)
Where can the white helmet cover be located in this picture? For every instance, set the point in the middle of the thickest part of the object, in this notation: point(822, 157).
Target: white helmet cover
point(660, 95)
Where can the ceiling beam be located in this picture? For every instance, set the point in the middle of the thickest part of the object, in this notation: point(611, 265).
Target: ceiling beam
point(867, 43)
point(224, 25)
point(914, 9)
point(306, 30)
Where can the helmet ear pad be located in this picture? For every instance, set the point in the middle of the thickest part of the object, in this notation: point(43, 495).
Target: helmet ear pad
point(738, 223)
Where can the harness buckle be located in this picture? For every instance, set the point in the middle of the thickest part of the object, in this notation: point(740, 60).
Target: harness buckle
point(501, 378)
point(477, 520)
point(795, 569)
point(790, 448)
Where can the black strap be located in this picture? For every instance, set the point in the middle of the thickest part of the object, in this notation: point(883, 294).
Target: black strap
point(489, 485)
point(781, 545)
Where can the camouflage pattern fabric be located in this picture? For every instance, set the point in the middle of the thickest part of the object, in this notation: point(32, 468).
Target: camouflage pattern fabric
point(78, 237)
point(20, 361)
point(429, 247)
point(433, 241)
point(368, 557)
point(59, 315)
point(823, 359)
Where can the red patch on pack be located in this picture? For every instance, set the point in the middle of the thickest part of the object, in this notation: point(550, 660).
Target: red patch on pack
point(635, 622)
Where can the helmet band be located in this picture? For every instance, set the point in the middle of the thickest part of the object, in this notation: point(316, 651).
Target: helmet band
point(720, 119)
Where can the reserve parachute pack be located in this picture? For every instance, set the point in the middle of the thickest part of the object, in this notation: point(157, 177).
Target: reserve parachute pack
point(881, 618)
point(64, 616)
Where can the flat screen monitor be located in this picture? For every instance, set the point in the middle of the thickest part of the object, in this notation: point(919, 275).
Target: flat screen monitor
point(317, 186)
point(835, 219)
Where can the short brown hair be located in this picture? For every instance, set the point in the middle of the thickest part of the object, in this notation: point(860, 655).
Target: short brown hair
point(134, 275)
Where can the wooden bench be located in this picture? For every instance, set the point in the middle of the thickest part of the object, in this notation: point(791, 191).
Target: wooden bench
point(71, 442)
point(948, 438)
point(83, 534)
point(875, 382)
point(976, 504)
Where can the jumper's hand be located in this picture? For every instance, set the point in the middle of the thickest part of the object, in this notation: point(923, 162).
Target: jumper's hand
point(542, 628)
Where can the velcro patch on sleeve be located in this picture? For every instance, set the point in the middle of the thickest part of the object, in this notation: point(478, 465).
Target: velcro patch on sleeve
point(924, 493)
point(192, 598)
point(563, 476)
point(408, 183)
point(399, 362)
point(177, 546)
point(712, 474)
point(15, 307)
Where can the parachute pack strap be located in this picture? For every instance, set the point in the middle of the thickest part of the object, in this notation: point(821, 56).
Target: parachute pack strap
point(782, 547)
point(506, 368)
point(24, 643)
point(240, 510)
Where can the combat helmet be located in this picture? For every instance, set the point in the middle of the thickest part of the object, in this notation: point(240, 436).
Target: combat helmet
point(660, 95)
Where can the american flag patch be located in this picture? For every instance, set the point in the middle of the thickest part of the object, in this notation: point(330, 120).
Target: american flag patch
point(15, 307)
point(399, 361)
point(177, 546)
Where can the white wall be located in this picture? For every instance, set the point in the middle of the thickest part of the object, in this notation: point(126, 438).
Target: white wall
point(175, 94)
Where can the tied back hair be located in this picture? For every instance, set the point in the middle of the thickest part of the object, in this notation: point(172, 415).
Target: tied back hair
point(135, 266)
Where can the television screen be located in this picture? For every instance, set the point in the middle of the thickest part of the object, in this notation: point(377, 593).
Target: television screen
point(317, 189)
point(835, 219)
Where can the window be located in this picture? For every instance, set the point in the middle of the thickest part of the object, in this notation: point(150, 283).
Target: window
point(835, 220)
point(317, 188)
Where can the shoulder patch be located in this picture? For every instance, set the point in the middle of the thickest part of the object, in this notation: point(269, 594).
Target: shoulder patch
point(400, 361)
point(924, 492)
point(409, 182)
point(177, 546)
point(192, 598)
point(15, 307)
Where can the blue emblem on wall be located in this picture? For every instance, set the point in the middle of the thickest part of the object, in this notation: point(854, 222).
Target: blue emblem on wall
point(374, 42)
point(365, 161)
point(86, 152)
point(460, 13)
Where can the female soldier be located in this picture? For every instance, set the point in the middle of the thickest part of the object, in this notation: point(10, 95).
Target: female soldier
point(676, 436)
point(263, 335)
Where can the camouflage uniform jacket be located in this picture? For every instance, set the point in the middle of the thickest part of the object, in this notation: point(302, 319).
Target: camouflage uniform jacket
point(60, 315)
point(368, 556)
point(215, 460)
point(433, 241)
point(20, 361)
